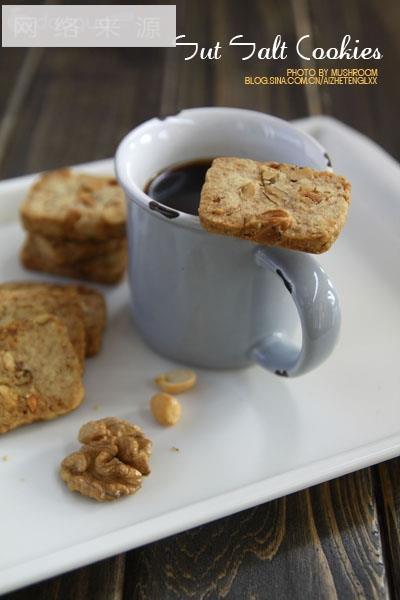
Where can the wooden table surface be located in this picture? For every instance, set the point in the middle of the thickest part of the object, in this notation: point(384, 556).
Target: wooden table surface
point(336, 540)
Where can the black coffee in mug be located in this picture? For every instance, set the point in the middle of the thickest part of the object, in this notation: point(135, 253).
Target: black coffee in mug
point(179, 186)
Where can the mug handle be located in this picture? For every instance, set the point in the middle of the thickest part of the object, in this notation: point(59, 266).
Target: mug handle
point(318, 307)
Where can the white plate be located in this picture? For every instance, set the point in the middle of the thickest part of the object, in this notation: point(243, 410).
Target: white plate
point(245, 436)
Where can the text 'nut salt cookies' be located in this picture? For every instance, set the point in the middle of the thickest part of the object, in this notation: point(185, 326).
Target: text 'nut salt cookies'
point(76, 226)
point(40, 374)
point(274, 204)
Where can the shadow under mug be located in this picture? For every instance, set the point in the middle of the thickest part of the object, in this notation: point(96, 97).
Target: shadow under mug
point(209, 300)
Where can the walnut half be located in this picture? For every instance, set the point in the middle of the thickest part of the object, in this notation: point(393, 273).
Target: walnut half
point(112, 461)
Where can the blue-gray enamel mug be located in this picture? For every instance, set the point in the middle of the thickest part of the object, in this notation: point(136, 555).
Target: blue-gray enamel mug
point(209, 300)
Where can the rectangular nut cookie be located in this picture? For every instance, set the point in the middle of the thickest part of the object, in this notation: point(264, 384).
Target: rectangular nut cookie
point(40, 375)
point(21, 304)
point(68, 252)
point(274, 204)
point(75, 206)
point(95, 317)
point(91, 301)
point(109, 268)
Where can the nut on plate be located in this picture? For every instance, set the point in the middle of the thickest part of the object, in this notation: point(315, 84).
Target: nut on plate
point(176, 382)
point(112, 461)
point(165, 408)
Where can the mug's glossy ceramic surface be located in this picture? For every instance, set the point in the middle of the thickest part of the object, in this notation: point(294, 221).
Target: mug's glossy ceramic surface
point(210, 300)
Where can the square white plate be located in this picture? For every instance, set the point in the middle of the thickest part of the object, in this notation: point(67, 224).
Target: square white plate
point(245, 436)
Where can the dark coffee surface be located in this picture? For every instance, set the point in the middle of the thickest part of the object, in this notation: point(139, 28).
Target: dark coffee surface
point(179, 186)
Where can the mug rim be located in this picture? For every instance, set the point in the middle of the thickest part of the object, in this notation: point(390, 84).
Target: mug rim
point(137, 195)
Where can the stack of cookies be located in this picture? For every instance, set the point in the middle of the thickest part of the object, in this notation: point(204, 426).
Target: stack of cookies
point(76, 226)
point(46, 332)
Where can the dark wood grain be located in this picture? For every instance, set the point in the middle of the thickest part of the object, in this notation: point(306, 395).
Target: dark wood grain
point(19, 67)
point(337, 540)
point(320, 543)
point(11, 60)
point(80, 104)
point(367, 108)
point(100, 581)
point(388, 498)
point(229, 86)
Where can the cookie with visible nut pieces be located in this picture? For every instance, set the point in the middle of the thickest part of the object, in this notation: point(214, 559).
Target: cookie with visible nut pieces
point(274, 204)
point(28, 303)
point(40, 374)
point(70, 252)
point(108, 268)
point(94, 316)
point(75, 206)
point(91, 301)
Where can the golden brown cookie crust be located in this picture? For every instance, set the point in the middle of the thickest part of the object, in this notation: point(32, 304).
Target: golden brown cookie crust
point(109, 268)
point(94, 315)
point(274, 204)
point(91, 301)
point(68, 252)
point(29, 303)
point(75, 206)
point(40, 375)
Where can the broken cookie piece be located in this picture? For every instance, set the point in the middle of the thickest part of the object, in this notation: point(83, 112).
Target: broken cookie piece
point(112, 461)
point(274, 204)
